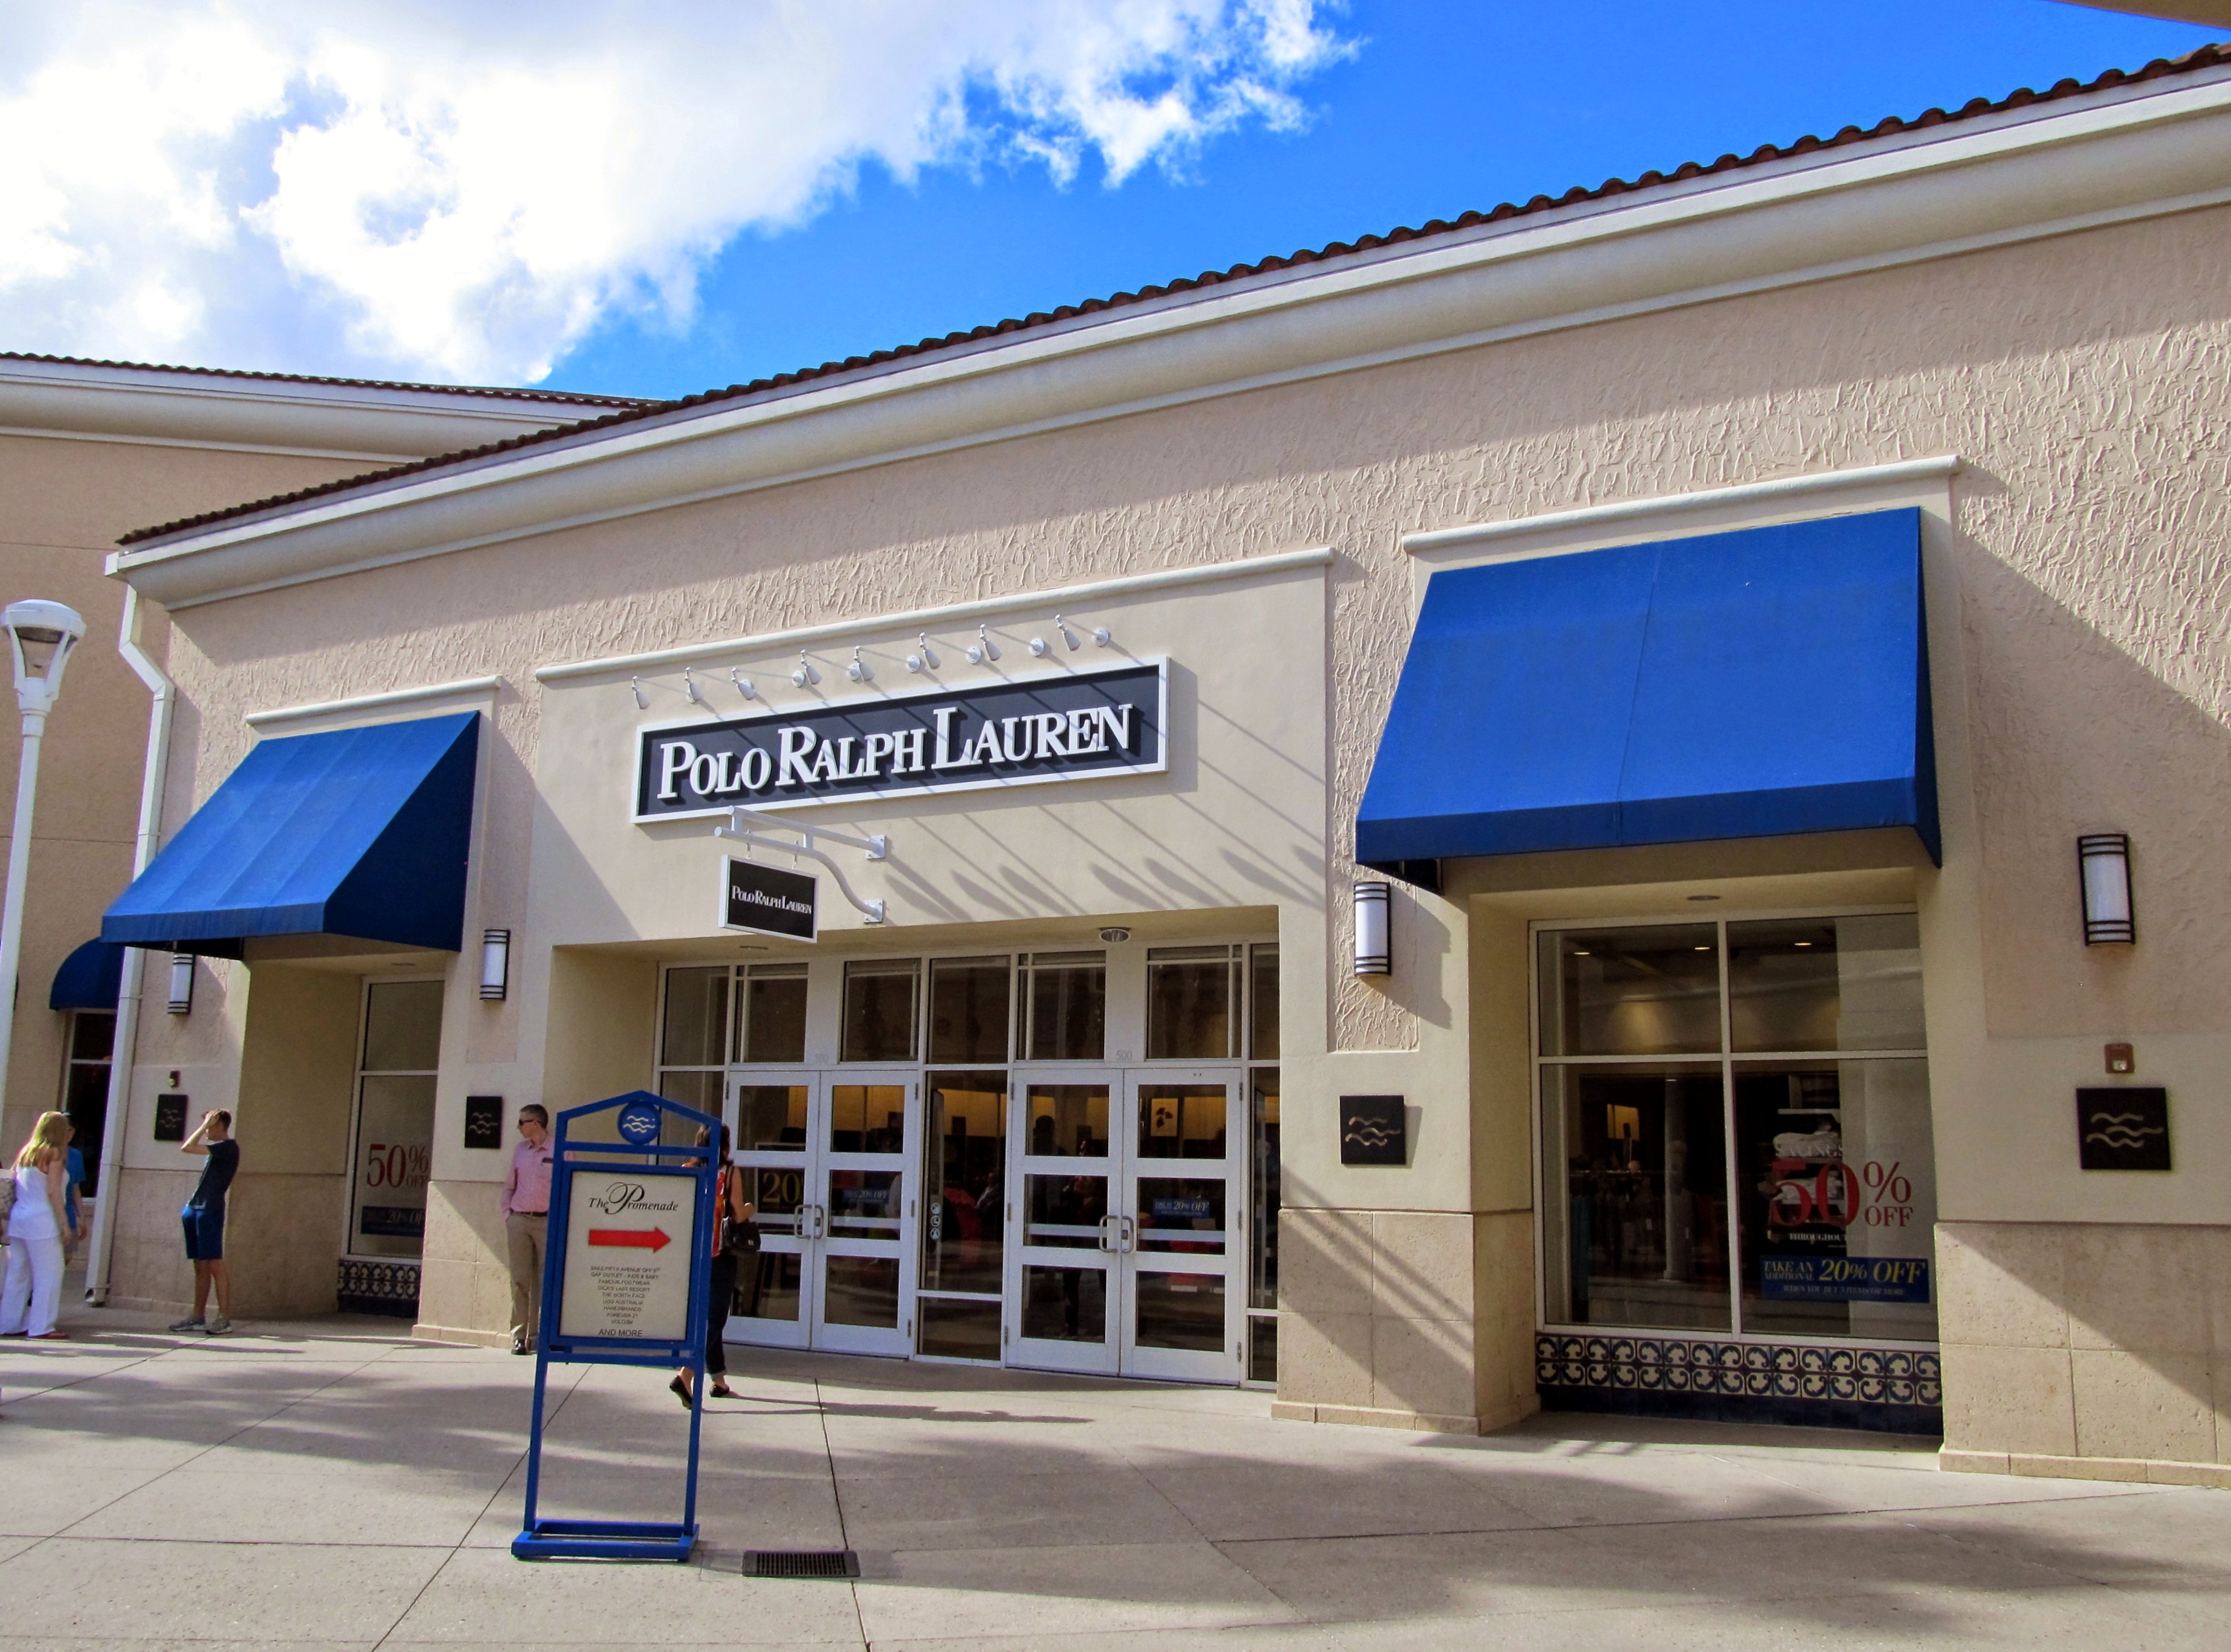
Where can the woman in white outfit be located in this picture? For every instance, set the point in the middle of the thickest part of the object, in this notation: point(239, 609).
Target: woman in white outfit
point(38, 1225)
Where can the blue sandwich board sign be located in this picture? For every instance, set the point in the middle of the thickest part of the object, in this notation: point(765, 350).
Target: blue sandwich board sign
point(623, 1282)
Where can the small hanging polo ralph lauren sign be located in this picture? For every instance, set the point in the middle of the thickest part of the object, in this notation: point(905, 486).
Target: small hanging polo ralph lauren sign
point(1069, 726)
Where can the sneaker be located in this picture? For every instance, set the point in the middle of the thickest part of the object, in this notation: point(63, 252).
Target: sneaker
point(219, 1326)
point(180, 1326)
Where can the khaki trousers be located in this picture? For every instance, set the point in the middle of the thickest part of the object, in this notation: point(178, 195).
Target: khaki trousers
point(525, 1237)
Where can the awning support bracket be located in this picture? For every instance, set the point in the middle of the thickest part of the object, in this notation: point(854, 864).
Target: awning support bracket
point(751, 827)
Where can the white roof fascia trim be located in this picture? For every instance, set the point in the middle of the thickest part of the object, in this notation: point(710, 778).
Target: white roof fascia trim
point(126, 381)
point(922, 619)
point(1778, 490)
point(374, 702)
point(1611, 222)
point(215, 447)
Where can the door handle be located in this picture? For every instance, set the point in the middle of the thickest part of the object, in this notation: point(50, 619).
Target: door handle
point(1110, 1235)
point(1130, 1232)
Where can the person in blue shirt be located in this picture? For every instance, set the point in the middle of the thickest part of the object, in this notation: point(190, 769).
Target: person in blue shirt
point(75, 1172)
point(203, 1217)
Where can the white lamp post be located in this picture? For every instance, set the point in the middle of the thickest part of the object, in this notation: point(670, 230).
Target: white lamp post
point(41, 636)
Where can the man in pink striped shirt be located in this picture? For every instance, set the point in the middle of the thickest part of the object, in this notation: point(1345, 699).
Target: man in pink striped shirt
point(527, 1222)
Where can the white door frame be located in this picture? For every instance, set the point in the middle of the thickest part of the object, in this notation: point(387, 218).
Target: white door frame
point(784, 1234)
point(883, 1233)
point(1085, 1254)
point(1120, 1251)
point(1143, 1259)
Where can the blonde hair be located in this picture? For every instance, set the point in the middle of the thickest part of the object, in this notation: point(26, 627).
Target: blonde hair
point(53, 1131)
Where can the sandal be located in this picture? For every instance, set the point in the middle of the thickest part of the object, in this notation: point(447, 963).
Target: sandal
point(682, 1393)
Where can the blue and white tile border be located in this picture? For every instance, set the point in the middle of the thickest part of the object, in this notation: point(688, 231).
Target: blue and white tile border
point(1799, 1371)
point(390, 1288)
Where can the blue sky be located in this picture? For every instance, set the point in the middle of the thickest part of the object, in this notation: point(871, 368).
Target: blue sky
point(1441, 107)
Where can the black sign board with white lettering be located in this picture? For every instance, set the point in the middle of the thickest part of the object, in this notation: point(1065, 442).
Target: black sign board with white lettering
point(483, 1121)
point(767, 901)
point(1070, 726)
point(170, 1118)
point(2122, 1129)
point(1374, 1130)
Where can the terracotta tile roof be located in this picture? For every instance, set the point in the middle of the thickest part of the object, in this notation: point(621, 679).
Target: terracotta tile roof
point(2204, 57)
point(496, 392)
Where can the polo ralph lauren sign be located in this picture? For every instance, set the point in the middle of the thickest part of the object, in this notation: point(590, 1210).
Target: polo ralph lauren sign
point(1074, 726)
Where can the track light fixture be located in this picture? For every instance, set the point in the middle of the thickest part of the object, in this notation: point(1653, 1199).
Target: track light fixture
point(743, 684)
point(983, 648)
point(1068, 636)
point(804, 676)
point(689, 687)
point(924, 656)
point(641, 700)
point(858, 671)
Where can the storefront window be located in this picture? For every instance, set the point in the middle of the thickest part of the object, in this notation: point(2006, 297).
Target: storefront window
point(1193, 997)
point(879, 1009)
point(965, 1183)
point(395, 1116)
point(1066, 1010)
point(773, 1010)
point(1816, 1100)
point(697, 1023)
point(968, 1009)
point(1067, 1120)
point(1263, 1230)
point(1181, 1121)
point(84, 1085)
point(1639, 1235)
point(1263, 1003)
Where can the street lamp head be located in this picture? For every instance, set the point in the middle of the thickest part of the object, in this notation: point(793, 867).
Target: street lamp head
point(40, 635)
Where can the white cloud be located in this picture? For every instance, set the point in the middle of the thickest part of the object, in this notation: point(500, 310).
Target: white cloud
point(463, 190)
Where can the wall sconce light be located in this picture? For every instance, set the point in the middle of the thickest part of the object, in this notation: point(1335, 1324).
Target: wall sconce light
point(641, 700)
point(1374, 897)
point(743, 684)
point(983, 648)
point(689, 687)
point(1103, 637)
point(1068, 636)
point(2104, 860)
point(1037, 648)
point(927, 656)
point(804, 673)
point(182, 983)
point(496, 963)
point(858, 671)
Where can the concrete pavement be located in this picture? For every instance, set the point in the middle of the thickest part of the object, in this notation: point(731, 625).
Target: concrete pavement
point(332, 1484)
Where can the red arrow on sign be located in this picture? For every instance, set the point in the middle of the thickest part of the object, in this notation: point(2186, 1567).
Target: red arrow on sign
point(636, 1238)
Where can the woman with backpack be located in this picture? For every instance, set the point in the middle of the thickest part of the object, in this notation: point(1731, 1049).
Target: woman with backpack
point(38, 1224)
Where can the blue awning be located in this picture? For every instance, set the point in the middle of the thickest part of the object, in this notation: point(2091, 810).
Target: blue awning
point(360, 832)
point(90, 978)
point(1749, 684)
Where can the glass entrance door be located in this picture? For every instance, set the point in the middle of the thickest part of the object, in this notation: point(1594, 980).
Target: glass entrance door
point(1063, 1285)
point(1125, 1190)
point(826, 1158)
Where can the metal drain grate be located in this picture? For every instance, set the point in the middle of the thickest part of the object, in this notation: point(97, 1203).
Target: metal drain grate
point(801, 1563)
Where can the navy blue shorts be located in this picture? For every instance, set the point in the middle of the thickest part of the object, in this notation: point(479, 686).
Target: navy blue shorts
point(204, 1232)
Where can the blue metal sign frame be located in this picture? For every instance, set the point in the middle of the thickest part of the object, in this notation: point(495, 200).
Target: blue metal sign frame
point(642, 1123)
